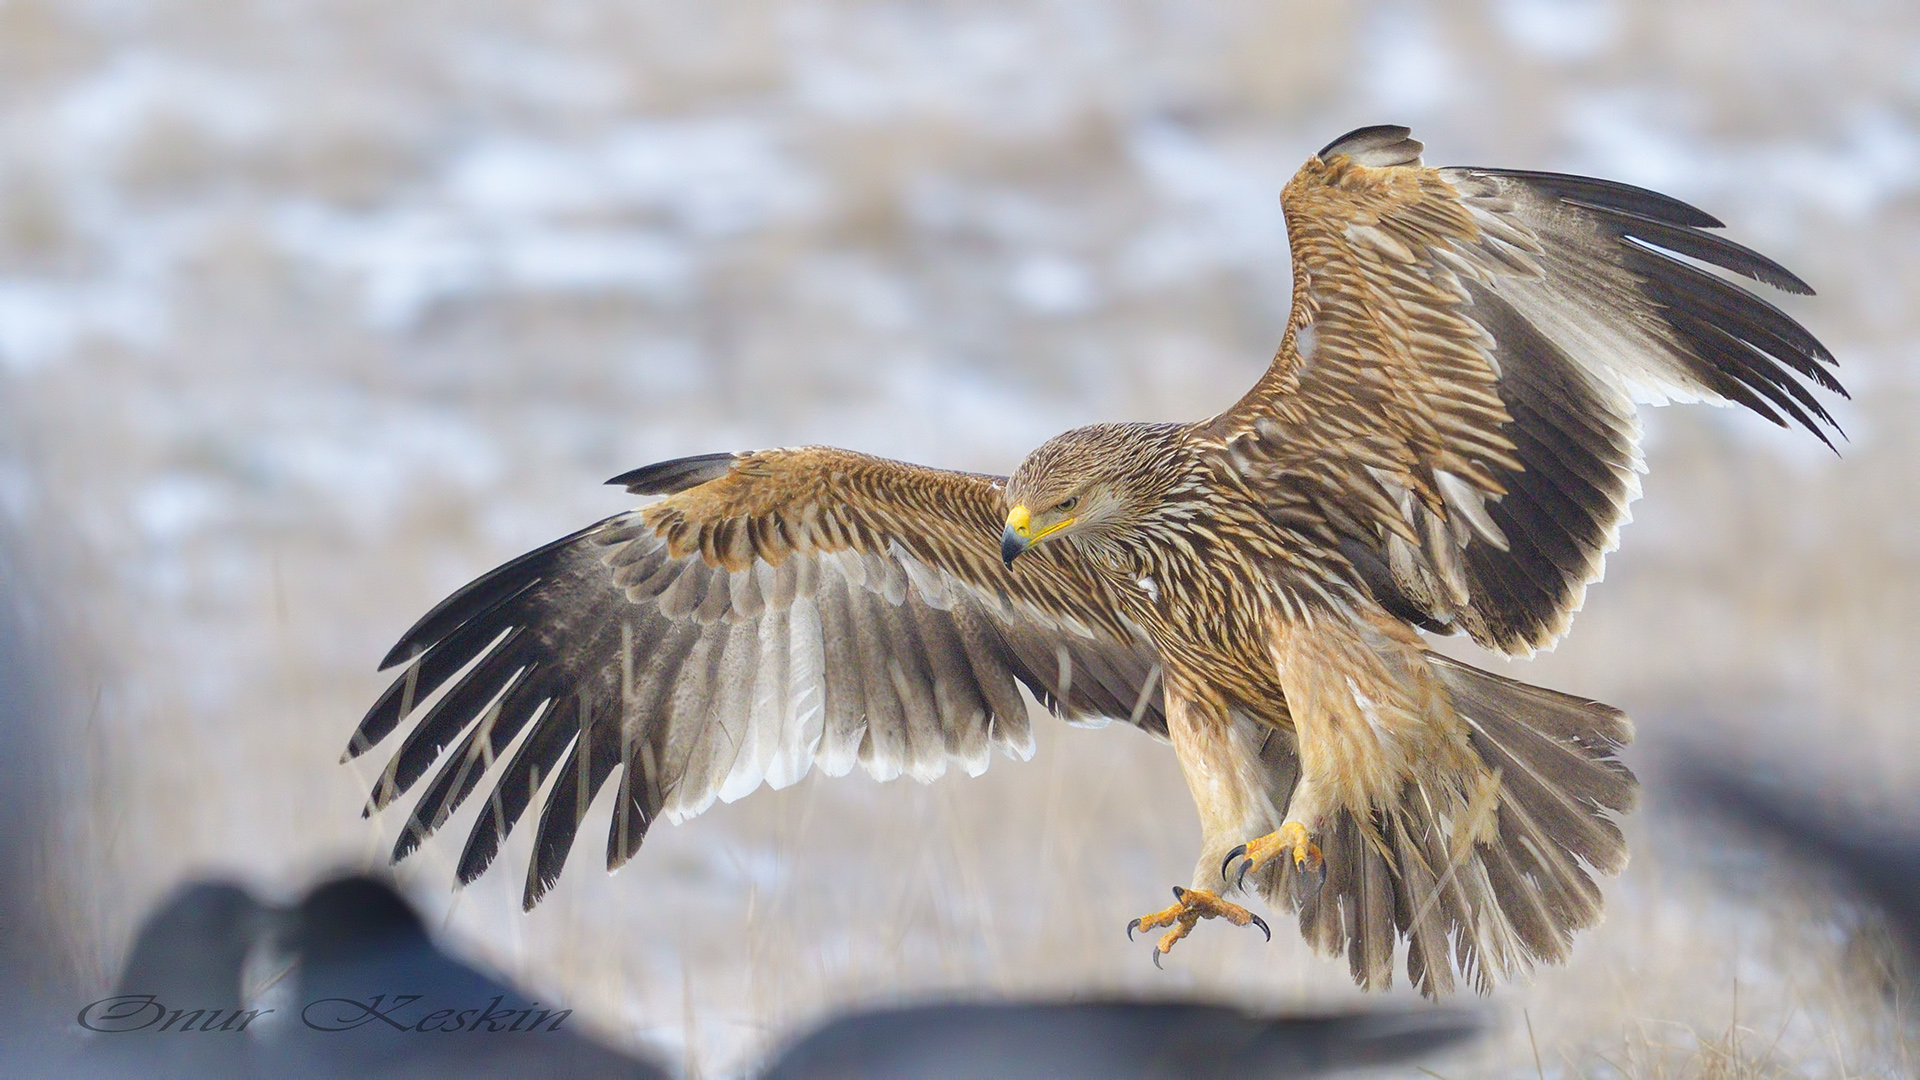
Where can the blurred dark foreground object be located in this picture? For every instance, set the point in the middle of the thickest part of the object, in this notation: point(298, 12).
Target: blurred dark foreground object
point(192, 950)
point(359, 942)
point(372, 997)
point(356, 949)
point(1875, 859)
point(1109, 1041)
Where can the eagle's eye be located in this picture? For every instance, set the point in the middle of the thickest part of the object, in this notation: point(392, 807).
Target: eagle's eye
point(1066, 505)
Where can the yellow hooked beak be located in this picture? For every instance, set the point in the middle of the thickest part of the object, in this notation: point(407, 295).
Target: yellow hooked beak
point(1019, 535)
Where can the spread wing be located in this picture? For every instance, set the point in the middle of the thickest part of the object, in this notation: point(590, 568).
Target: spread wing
point(1452, 407)
point(776, 610)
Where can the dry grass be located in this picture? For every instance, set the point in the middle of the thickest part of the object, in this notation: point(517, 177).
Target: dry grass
point(290, 352)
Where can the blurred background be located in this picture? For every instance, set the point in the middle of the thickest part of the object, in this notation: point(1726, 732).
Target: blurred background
point(311, 311)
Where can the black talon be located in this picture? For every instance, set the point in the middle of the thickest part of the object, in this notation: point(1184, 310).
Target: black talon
point(1131, 927)
point(1262, 924)
point(1232, 855)
point(1156, 959)
point(1304, 885)
point(1180, 894)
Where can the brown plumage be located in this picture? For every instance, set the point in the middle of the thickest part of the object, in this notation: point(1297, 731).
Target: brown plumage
point(1446, 441)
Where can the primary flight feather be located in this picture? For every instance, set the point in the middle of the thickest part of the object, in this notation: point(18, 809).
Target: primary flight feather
point(1446, 441)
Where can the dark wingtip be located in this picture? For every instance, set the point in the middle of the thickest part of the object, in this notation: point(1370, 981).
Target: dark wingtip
point(409, 840)
point(1791, 283)
point(669, 477)
point(537, 887)
point(478, 596)
point(404, 650)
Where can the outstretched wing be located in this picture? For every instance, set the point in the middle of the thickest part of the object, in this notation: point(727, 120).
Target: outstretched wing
point(776, 610)
point(1452, 407)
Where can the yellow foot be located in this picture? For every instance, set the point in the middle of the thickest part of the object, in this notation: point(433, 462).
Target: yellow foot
point(1192, 905)
point(1291, 838)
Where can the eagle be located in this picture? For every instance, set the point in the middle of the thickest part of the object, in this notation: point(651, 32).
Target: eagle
point(1446, 442)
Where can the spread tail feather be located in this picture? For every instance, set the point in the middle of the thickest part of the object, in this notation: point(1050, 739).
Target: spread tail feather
point(1490, 876)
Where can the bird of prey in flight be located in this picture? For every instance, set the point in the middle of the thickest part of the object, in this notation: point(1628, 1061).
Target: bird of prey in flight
point(1446, 442)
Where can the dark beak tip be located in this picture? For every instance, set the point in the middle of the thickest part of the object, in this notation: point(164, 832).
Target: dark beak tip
point(1011, 545)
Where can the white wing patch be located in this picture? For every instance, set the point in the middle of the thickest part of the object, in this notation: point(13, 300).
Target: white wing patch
point(752, 704)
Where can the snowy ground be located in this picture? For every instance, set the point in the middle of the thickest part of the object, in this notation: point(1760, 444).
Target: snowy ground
point(311, 311)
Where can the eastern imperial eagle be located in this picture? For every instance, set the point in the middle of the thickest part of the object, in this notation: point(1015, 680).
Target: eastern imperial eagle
point(1446, 441)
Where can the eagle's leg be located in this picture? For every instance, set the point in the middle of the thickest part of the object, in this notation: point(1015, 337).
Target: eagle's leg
point(1229, 808)
point(1292, 840)
point(1189, 907)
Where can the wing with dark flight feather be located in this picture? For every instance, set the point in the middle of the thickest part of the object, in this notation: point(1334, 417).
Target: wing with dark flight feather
point(1452, 409)
point(774, 611)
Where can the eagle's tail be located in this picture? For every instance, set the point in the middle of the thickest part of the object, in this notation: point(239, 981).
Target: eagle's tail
point(1493, 875)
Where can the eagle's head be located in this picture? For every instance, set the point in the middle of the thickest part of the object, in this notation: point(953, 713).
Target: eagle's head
point(1092, 485)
